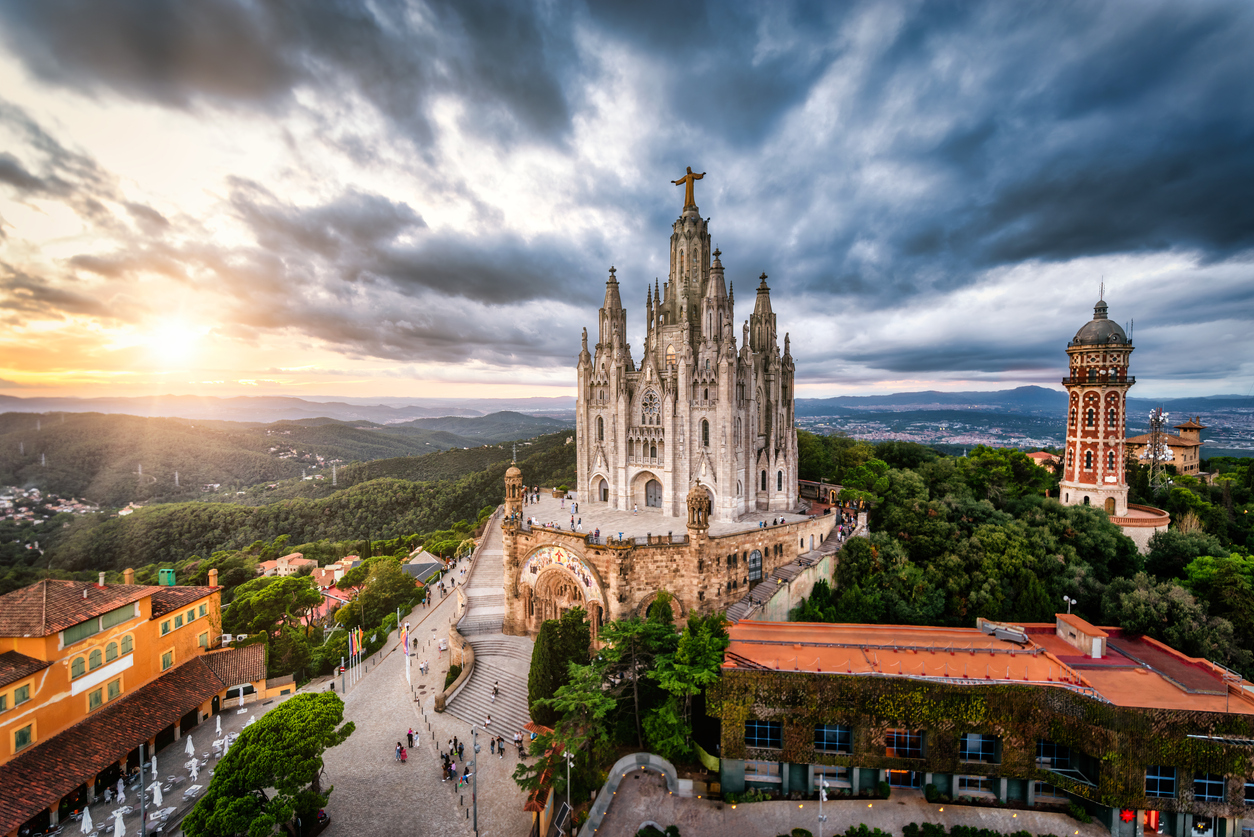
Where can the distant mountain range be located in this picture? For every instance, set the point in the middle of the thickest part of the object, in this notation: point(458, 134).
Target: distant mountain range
point(442, 412)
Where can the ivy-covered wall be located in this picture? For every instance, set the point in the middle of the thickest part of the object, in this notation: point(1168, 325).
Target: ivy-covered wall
point(1123, 741)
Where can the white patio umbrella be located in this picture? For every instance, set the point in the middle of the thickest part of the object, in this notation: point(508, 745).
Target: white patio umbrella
point(119, 825)
point(157, 801)
point(218, 719)
point(154, 764)
point(85, 826)
point(121, 795)
point(195, 768)
point(191, 748)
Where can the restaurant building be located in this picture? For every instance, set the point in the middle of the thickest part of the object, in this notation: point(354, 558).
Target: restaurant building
point(89, 671)
point(1145, 738)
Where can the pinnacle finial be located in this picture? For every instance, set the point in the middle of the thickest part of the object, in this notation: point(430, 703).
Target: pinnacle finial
point(613, 270)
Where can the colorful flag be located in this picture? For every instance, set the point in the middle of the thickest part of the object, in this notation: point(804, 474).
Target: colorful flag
point(405, 639)
point(352, 643)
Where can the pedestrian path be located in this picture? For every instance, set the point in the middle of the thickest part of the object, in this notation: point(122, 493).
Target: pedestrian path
point(500, 660)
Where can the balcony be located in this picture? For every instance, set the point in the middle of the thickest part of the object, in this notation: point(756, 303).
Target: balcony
point(1099, 382)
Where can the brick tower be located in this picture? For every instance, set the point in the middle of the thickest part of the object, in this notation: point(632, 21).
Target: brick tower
point(1097, 387)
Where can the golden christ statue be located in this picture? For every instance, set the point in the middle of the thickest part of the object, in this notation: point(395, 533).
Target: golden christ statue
point(688, 179)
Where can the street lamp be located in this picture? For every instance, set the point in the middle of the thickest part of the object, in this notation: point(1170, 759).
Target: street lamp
point(822, 799)
point(1070, 601)
point(570, 812)
point(474, 776)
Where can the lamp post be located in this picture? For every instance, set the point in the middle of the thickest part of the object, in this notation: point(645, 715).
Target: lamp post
point(1070, 601)
point(474, 776)
point(822, 799)
point(143, 809)
point(570, 812)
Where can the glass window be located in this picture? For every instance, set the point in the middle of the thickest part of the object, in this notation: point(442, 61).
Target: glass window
point(836, 777)
point(1160, 781)
point(111, 652)
point(78, 668)
point(974, 784)
point(22, 737)
point(1047, 791)
point(201, 611)
point(94, 698)
point(128, 644)
point(762, 771)
point(1209, 786)
point(167, 660)
point(191, 614)
point(755, 565)
point(178, 621)
point(1249, 789)
point(115, 688)
point(904, 744)
point(117, 617)
point(4, 702)
point(764, 734)
point(981, 748)
point(94, 659)
point(21, 694)
point(165, 627)
point(1051, 755)
point(203, 640)
point(833, 738)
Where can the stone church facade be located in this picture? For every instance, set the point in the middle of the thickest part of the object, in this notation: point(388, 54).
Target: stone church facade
point(699, 409)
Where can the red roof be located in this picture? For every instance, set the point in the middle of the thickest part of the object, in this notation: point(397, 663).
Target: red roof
point(167, 599)
point(39, 777)
point(15, 666)
point(1081, 625)
point(51, 605)
point(1167, 439)
point(1191, 424)
point(237, 666)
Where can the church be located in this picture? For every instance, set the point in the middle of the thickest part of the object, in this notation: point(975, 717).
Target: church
point(699, 409)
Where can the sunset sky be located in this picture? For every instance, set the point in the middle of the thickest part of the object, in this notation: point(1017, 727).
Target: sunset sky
point(423, 199)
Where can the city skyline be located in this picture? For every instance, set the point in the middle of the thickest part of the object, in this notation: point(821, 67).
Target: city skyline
point(424, 200)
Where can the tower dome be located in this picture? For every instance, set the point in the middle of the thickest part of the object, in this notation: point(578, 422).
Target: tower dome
point(513, 471)
point(1100, 330)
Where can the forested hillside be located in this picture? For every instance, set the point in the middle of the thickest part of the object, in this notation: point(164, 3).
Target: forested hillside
point(379, 508)
point(113, 460)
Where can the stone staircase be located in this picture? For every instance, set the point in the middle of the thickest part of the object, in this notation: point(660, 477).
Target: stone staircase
point(498, 659)
point(501, 659)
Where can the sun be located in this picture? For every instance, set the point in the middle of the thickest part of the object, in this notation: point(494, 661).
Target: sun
point(171, 343)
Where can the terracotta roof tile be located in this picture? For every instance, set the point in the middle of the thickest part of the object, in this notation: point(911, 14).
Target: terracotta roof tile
point(237, 666)
point(167, 599)
point(15, 666)
point(1168, 439)
point(51, 605)
point(37, 778)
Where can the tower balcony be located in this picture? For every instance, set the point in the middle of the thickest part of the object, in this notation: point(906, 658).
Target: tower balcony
point(1108, 381)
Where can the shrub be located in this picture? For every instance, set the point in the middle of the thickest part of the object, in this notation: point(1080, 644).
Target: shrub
point(885, 789)
point(801, 832)
point(1077, 811)
point(930, 794)
point(453, 672)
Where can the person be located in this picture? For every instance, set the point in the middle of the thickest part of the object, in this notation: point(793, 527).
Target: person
point(492, 746)
point(496, 688)
point(635, 509)
point(398, 751)
point(410, 734)
point(500, 746)
point(404, 755)
point(461, 750)
point(488, 722)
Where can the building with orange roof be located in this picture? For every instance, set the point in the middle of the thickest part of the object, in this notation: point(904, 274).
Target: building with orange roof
point(1035, 715)
point(1186, 448)
point(287, 565)
point(89, 671)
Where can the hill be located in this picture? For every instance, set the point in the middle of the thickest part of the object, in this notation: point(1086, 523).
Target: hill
point(113, 460)
point(379, 508)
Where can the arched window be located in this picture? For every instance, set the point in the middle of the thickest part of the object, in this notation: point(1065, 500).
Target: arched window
point(1073, 415)
point(600, 429)
point(1092, 374)
point(1086, 499)
point(93, 660)
point(779, 481)
point(764, 480)
point(630, 448)
point(78, 668)
point(1088, 460)
point(1110, 460)
point(1110, 418)
point(705, 433)
point(111, 652)
point(127, 644)
point(653, 451)
point(670, 355)
point(705, 394)
point(1090, 415)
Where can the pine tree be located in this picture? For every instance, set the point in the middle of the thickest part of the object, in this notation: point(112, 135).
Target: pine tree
point(546, 669)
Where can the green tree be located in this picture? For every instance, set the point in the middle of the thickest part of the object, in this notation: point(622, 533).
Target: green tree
point(684, 674)
point(626, 657)
point(559, 643)
point(1170, 552)
point(580, 706)
point(273, 772)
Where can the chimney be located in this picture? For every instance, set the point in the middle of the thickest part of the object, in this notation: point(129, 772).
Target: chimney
point(101, 583)
point(213, 578)
point(128, 576)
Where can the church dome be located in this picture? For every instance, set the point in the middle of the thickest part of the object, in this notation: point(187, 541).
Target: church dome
point(513, 471)
point(1100, 330)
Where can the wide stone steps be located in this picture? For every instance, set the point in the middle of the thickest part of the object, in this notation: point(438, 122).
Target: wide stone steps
point(501, 659)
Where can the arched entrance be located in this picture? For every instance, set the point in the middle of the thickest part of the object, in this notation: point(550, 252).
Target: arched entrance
point(653, 494)
point(1110, 505)
point(555, 579)
point(603, 490)
point(215, 706)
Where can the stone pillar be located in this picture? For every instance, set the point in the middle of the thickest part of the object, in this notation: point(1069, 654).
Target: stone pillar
point(855, 773)
point(54, 814)
point(1031, 792)
point(178, 729)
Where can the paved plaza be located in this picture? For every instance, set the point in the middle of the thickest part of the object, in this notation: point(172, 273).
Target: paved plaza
point(375, 794)
point(645, 521)
point(643, 797)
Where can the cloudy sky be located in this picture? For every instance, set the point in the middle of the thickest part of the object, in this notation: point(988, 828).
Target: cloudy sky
point(424, 198)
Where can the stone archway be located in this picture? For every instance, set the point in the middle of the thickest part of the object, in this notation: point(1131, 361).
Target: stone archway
point(553, 579)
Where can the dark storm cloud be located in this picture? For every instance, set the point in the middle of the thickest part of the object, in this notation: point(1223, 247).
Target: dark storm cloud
point(28, 295)
point(494, 54)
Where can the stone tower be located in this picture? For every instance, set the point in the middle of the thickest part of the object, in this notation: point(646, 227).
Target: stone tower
point(513, 492)
point(1097, 388)
point(698, 409)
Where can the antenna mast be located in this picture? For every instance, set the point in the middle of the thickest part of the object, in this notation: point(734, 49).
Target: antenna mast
point(1157, 451)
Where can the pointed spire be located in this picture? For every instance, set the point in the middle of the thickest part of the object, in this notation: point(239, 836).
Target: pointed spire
point(612, 299)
